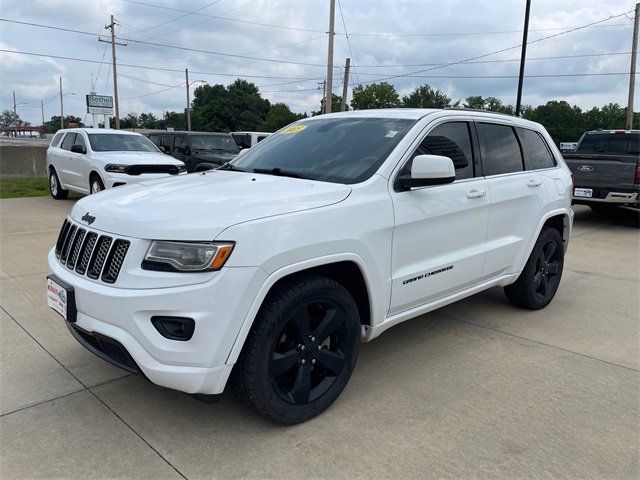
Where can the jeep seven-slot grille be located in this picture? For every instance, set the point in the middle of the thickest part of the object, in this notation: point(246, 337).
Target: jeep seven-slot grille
point(89, 253)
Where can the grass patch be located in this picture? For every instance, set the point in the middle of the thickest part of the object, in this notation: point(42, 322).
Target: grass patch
point(24, 187)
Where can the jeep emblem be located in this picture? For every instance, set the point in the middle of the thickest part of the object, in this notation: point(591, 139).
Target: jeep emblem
point(585, 168)
point(88, 218)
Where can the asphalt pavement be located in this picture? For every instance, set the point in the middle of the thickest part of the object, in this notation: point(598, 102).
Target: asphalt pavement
point(478, 389)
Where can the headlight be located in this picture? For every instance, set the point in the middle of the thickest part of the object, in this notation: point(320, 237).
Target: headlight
point(116, 168)
point(182, 169)
point(186, 256)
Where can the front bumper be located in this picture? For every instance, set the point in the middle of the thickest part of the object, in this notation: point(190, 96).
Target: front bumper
point(218, 307)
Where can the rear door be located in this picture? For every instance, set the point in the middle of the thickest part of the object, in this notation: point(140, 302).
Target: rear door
point(65, 165)
point(439, 234)
point(517, 198)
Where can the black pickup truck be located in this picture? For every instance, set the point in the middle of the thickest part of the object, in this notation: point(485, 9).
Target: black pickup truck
point(606, 169)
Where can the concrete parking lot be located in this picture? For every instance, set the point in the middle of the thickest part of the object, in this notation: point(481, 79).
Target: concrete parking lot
point(478, 389)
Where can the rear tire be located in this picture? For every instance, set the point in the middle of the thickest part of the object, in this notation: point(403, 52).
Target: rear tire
point(539, 280)
point(301, 350)
point(55, 189)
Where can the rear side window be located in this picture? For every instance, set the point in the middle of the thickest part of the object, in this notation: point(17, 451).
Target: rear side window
point(261, 137)
point(80, 141)
point(535, 150)
point(180, 144)
point(243, 140)
point(56, 139)
point(610, 144)
point(500, 149)
point(68, 141)
point(166, 141)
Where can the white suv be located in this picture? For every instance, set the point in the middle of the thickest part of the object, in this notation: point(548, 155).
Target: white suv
point(89, 160)
point(271, 269)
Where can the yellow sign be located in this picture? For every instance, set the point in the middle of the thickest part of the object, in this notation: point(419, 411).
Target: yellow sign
point(293, 129)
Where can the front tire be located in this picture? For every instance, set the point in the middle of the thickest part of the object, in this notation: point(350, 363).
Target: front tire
point(96, 184)
point(301, 350)
point(55, 189)
point(539, 280)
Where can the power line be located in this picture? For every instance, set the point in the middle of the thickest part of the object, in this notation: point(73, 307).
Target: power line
point(180, 17)
point(344, 25)
point(391, 77)
point(499, 61)
point(145, 67)
point(156, 44)
point(237, 20)
point(286, 45)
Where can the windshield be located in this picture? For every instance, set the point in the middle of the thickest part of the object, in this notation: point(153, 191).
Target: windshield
point(339, 150)
point(214, 142)
point(120, 142)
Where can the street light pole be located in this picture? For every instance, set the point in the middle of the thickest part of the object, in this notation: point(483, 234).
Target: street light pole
point(186, 72)
point(15, 116)
point(61, 107)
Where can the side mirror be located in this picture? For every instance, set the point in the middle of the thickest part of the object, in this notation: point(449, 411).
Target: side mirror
point(243, 151)
point(78, 149)
point(428, 170)
point(164, 149)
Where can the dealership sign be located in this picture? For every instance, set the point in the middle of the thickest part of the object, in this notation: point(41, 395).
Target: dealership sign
point(101, 104)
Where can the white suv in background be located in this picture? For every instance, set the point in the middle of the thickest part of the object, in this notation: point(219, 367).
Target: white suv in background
point(269, 270)
point(89, 160)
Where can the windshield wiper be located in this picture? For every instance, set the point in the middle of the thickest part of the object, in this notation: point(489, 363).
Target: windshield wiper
point(278, 172)
point(230, 166)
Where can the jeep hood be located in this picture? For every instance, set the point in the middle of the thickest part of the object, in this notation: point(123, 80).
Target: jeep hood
point(199, 206)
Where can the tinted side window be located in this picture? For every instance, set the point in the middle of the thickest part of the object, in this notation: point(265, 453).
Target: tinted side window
point(243, 140)
point(68, 141)
point(594, 143)
point(261, 137)
point(80, 141)
point(180, 144)
point(634, 144)
point(154, 138)
point(166, 141)
point(56, 139)
point(500, 149)
point(535, 150)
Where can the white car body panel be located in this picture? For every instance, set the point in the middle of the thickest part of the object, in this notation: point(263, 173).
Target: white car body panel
point(483, 228)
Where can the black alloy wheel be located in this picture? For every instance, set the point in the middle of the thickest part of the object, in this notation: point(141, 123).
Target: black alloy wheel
point(309, 353)
point(540, 278)
point(301, 350)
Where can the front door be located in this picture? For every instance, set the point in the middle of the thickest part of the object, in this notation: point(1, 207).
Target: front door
point(181, 151)
point(440, 231)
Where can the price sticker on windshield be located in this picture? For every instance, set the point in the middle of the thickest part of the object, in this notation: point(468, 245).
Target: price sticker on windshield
point(293, 129)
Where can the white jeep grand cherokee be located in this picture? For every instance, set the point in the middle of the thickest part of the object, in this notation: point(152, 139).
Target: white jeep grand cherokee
point(89, 160)
point(269, 271)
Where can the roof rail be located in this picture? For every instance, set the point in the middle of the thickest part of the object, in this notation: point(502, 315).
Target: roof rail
point(479, 110)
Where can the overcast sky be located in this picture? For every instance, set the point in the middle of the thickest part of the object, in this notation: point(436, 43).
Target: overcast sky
point(385, 36)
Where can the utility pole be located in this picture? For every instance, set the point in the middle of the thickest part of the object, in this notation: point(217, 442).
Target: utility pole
point(15, 116)
point(345, 85)
point(186, 72)
point(42, 108)
point(523, 56)
point(329, 94)
point(112, 27)
point(323, 103)
point(61, 108)
point(632, 72)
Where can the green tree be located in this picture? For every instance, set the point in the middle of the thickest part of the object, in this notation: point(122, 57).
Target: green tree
point(10, 119)
point(491, 104)
point(475, 102)
point(279, 115)
point(53, 125)
point(564, 122)
point(375, 95)
point(336, 104)
point(427, 97)
point(147, 120)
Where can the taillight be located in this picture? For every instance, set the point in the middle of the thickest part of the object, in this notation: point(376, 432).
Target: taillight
point(636, 179)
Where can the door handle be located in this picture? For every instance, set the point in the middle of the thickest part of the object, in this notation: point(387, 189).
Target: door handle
point(534, 182)
point(476, 193)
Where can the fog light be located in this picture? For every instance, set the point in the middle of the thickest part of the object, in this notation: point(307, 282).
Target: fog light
point(174, 328)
